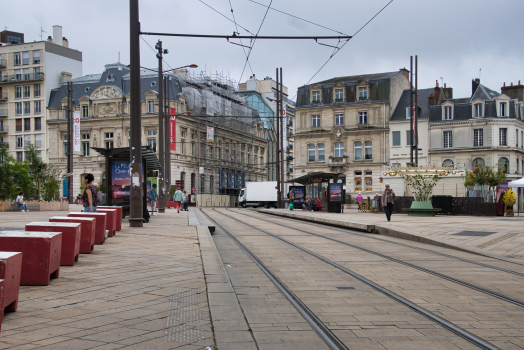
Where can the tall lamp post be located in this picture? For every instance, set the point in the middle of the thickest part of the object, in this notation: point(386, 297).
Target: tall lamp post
point(161, 153)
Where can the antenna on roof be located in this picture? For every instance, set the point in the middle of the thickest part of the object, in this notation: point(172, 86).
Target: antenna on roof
point(480, 72)
point(41, 30)
point(118, 56)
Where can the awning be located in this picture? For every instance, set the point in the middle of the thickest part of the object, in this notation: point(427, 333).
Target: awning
point(316, 177)
point(516, 183)
point(148, 155)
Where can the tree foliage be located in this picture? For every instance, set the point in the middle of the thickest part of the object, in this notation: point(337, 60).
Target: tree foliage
point(14, 177)
point(489, 176)
point(421, 185)
point(36, 168)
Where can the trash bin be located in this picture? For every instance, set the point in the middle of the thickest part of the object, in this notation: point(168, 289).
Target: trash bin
point(347, 199)
point(442, 202)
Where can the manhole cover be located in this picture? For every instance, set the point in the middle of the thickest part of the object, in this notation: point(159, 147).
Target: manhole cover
point(345, 288)
point(474, 233)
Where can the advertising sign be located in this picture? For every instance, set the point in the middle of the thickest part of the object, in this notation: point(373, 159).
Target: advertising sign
point(335, 193)
point(120, 181)
point(369, 184)
point(76, 131)
point(358, 184)
point(173, 129)
point(210, 134)
point(299, 194)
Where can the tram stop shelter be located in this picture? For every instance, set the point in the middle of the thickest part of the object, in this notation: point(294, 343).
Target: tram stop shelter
point(118, 175)
point(326, 187)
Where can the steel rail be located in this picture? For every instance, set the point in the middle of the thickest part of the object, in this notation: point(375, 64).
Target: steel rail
point(325, 333)
point(420, 268)
point(439, 320)
point(350, 231)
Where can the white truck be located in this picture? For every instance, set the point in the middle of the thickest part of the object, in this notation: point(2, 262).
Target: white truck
point(259, 194)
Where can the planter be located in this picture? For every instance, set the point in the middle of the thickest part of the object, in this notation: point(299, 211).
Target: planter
point(509, 212)
point(421, 208)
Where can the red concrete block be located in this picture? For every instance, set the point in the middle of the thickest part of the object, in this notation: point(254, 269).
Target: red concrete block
point(87, 231)
point(1, 303)
point(10, 272)
point(111, 219)
point(70, 238)
point(40, 254)
point(119, 215)
point(100, 225)
point(170, 204)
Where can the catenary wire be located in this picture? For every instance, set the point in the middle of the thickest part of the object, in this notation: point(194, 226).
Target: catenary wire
point(229, 19)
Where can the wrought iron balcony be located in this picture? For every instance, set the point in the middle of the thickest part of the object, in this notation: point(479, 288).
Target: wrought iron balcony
point(21, 77)
point(338, 161)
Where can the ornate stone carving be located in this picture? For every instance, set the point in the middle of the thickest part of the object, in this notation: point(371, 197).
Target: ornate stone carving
point(118, 140)
point(107, 108)
point(94, 140)
point(106, 92)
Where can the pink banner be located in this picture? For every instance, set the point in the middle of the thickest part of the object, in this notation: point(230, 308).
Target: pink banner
point(173, 129)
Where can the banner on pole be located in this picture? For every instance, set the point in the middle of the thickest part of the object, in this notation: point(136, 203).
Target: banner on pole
point(76, 131)
point(173, 129)
point(210, 134)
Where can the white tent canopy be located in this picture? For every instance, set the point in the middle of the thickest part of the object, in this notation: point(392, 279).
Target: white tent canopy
point(516, 183)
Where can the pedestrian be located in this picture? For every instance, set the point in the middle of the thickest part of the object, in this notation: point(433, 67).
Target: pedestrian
point(89, 195)
point(20, 201)
point(318, 204)
point(388, 200)
point(305, 206)
point(153, 197)
point(291, 197)
point(186, 201)
point(359, 200)
point(178, 198)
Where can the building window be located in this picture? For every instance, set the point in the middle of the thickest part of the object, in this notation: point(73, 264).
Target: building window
point(65, 149)
point(18, 74)
point(27, 76)
point(182, 147)
point(339, 119)
point(503, 109)
point(85, 111)
point(27, 140)
point(517, 137)
point(36, 90)
point(448, 162)
point(448, 139)
point(478, 163)
point(38, 123)
point(152, 143)
point(447, 113)
point(19, 125)
point(25, 57)
point(396, 138)
point(20, 157)
point(19, 142)
point(18, 59)
point(478, 137)
point(27, 107)
point(37, 73)
point(27, 91)
point(368, 150)
point(109, 144)
point(358, 150)
point(362, 118)
point(316, 96)
point(362, 93)
point(408, 112)
point(85, 137)
point(151, 132)
point(38, 140)
point(409, 141)
point(38, 107)
point(478, 110)
point(193, 149)
point(503, 139)
point(18, 92)
point(310, 153)
point(339, 95)
point(151, 106)
point(503, 164)
point(321, 153)
point(36, 56)
point(27, 124)
point(211, 183)
point(85, 149)
point(202, 183)
point(108, 135)
point(316, 121)
point(339, 149)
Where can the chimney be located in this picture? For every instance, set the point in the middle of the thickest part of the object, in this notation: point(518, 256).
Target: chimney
point(513, 91)
point(57, 35)
point(434, 99)
point(474, 85)
point(49, 39)
point(65, 76)
point(447, 93)
point(65, 43)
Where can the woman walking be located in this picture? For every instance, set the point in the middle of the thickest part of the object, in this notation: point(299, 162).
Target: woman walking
point(178, 198)
point(89, 195)
point(388, 199)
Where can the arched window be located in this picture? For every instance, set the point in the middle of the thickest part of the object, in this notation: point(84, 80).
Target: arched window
point(504, 162)
point(478, 162)
point(448, 162)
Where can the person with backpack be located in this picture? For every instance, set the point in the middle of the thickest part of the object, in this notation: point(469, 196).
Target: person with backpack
point(153, 197)
point(90, 195)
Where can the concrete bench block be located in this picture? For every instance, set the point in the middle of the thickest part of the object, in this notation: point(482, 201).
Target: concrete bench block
point(10, 272)
point(119, 215)
point(111, 219)
point(40, 254)
point(1, 303)
point(70, 238)
point(87, 231)
point(100, 225)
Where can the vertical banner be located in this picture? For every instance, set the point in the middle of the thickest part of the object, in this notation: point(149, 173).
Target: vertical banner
point(173, 129)
point(210, 134)
point(415, 131)
point(76, 131)
point(284, 127)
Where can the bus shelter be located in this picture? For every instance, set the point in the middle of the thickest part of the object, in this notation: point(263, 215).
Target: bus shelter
point(118, 175)
point(325, 187)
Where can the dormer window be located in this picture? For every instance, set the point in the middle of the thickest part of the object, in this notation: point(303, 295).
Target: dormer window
point(448, 113)
point(408, 112)
point(339, 95)
point(478, 110)
point(362, 93)
point(315, 96)
point(503, 109)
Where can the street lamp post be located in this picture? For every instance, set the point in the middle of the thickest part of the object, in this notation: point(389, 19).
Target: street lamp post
point(161, 152)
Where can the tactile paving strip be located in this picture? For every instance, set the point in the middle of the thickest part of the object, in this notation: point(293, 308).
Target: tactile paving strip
point(184, 322)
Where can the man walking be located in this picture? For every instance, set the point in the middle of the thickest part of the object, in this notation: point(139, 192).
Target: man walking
point(291, 199)
point(153, 197)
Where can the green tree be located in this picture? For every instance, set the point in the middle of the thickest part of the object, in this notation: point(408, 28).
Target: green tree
point(36, 168)
point(7, 184)
point(51, 184)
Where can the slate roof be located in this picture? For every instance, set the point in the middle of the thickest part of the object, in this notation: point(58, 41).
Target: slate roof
point(423, 110)
point(355, 78)
point(484, 93)
point(117, 75)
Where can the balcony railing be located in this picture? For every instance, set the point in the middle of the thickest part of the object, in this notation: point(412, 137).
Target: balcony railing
point(22, 77)
point(3, 63)
point(3, 112)
point(3, 96)
point(2, 144)
point(4, 128)
point(290, 146)
point(338, 161)
point(289, 170)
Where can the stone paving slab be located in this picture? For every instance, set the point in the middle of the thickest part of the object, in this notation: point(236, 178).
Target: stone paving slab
point(505, 241)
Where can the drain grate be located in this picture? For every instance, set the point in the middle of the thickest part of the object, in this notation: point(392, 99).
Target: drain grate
point(184, 322)
point(474, 233)
point(345, 287)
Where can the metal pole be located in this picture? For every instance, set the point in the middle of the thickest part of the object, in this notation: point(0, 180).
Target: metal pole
point(161, 134)
point(136, 196)
point(70, 142)
point(167, 130)
point(283, 169)
point(279, 199)
point(416, 111)
point(411, 110)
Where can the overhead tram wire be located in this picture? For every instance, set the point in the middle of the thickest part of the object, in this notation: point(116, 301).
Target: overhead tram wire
point(337, 51)
point(229, 19)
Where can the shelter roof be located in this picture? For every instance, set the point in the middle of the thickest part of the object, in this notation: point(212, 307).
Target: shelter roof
point(316, 177)
point(148, 155)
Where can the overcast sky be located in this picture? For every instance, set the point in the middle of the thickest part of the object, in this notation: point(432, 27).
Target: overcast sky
point(453, 39)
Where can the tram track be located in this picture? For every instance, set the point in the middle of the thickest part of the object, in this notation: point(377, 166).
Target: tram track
point(301, 307)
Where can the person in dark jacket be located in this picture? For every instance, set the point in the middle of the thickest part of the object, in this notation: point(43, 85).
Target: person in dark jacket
point(388, 199)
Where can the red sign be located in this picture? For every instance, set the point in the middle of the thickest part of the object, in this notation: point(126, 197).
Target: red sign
point(173, 129)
